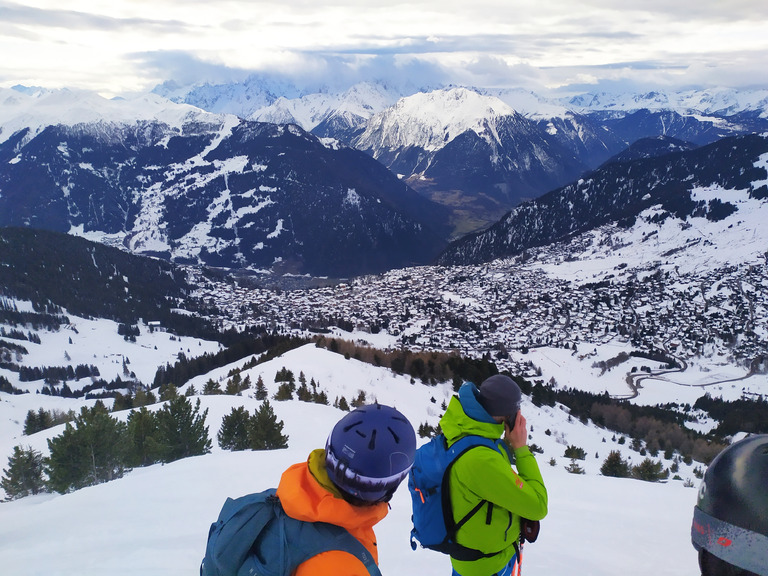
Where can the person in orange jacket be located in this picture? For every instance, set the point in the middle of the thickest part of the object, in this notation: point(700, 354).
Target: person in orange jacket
point(367, 455)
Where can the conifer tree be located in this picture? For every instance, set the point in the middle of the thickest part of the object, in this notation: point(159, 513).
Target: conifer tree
point(650, 471)
point(574, 467)
point(37, 421)
point(211, 387)
point(284, 392)
point(233, 434)
point(615, 466)
point(303, 393)
point(320, 397)
point(143, 397)
point(285, 375)
point(143, 448)
point(181, 430)
point(234, 384)
point(89, 452)
point(360, 400)
point(264, 430)
point(426, 430)
point(122, 402)
point(261, 389)
point(168, 392)
point(24, 475)
point(575, 453)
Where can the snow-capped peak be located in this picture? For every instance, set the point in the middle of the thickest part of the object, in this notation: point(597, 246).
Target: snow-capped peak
point(36, 109)
point(362, 100)
point(431, 120)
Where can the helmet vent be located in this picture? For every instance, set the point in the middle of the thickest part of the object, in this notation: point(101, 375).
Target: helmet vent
point(352, 425)
point(372, 441)
point(394, 435)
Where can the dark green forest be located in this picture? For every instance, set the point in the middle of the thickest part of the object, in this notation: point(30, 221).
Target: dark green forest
point(90, 280)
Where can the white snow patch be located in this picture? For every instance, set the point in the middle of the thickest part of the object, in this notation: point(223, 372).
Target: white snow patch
point(278, 229)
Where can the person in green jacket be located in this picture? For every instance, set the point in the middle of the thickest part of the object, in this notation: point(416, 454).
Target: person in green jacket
point(484, 474)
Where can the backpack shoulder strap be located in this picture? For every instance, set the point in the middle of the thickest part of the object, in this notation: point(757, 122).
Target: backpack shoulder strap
point(318, 537)
point(467, 442)
point(456, 450)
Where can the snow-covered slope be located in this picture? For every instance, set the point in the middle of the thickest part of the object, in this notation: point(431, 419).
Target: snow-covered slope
point(530, 104)
point(155, 520)
point(724, 179)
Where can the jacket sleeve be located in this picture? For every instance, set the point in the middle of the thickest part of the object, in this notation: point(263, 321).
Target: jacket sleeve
point(490, 477)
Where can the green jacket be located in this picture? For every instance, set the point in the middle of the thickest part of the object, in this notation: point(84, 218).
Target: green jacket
point(486, 474)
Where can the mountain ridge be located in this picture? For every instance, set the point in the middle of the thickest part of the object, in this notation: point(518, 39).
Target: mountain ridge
point(619, 192)
point(220, 191)
point(466, 156)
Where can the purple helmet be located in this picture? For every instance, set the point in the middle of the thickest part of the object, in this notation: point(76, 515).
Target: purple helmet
point(369, 452)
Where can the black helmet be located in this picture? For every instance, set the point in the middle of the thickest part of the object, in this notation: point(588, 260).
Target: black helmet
point(369, 452)
point(730, 520)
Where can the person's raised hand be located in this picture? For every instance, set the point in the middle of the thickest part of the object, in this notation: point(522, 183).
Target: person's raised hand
point(517, 437)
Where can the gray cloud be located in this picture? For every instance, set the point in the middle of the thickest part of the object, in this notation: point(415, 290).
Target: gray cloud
point(74, 20)
point(315, 71)
point(691, 10)
point(185, 67)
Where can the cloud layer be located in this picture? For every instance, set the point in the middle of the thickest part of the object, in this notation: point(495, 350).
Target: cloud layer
point(130, 45)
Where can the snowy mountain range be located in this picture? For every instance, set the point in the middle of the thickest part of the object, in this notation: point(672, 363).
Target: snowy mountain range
point(495, 149)
point(257, 94)
point(720, 102)
point(170, 179)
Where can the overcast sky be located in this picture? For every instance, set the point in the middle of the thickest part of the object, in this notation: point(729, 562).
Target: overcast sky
point(123, 46)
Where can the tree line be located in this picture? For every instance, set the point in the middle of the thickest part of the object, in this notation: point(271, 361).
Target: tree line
point(743, 415)
point(96, 447)
point(268, 346)
point(428, 366)
point(662, 427)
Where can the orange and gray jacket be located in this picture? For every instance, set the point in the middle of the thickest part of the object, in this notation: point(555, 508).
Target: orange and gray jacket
point(307, 493)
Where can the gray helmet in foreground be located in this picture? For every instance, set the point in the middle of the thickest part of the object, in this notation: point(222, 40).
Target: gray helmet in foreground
point(730, 519)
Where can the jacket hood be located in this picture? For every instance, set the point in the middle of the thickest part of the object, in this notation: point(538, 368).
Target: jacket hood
point(307, 493)
point(466, 416)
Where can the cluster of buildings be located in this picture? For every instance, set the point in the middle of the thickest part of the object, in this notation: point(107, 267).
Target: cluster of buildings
point(507, 305)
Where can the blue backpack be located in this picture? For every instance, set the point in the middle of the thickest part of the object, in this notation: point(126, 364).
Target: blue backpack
point(433, 523)
point(253, 536)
